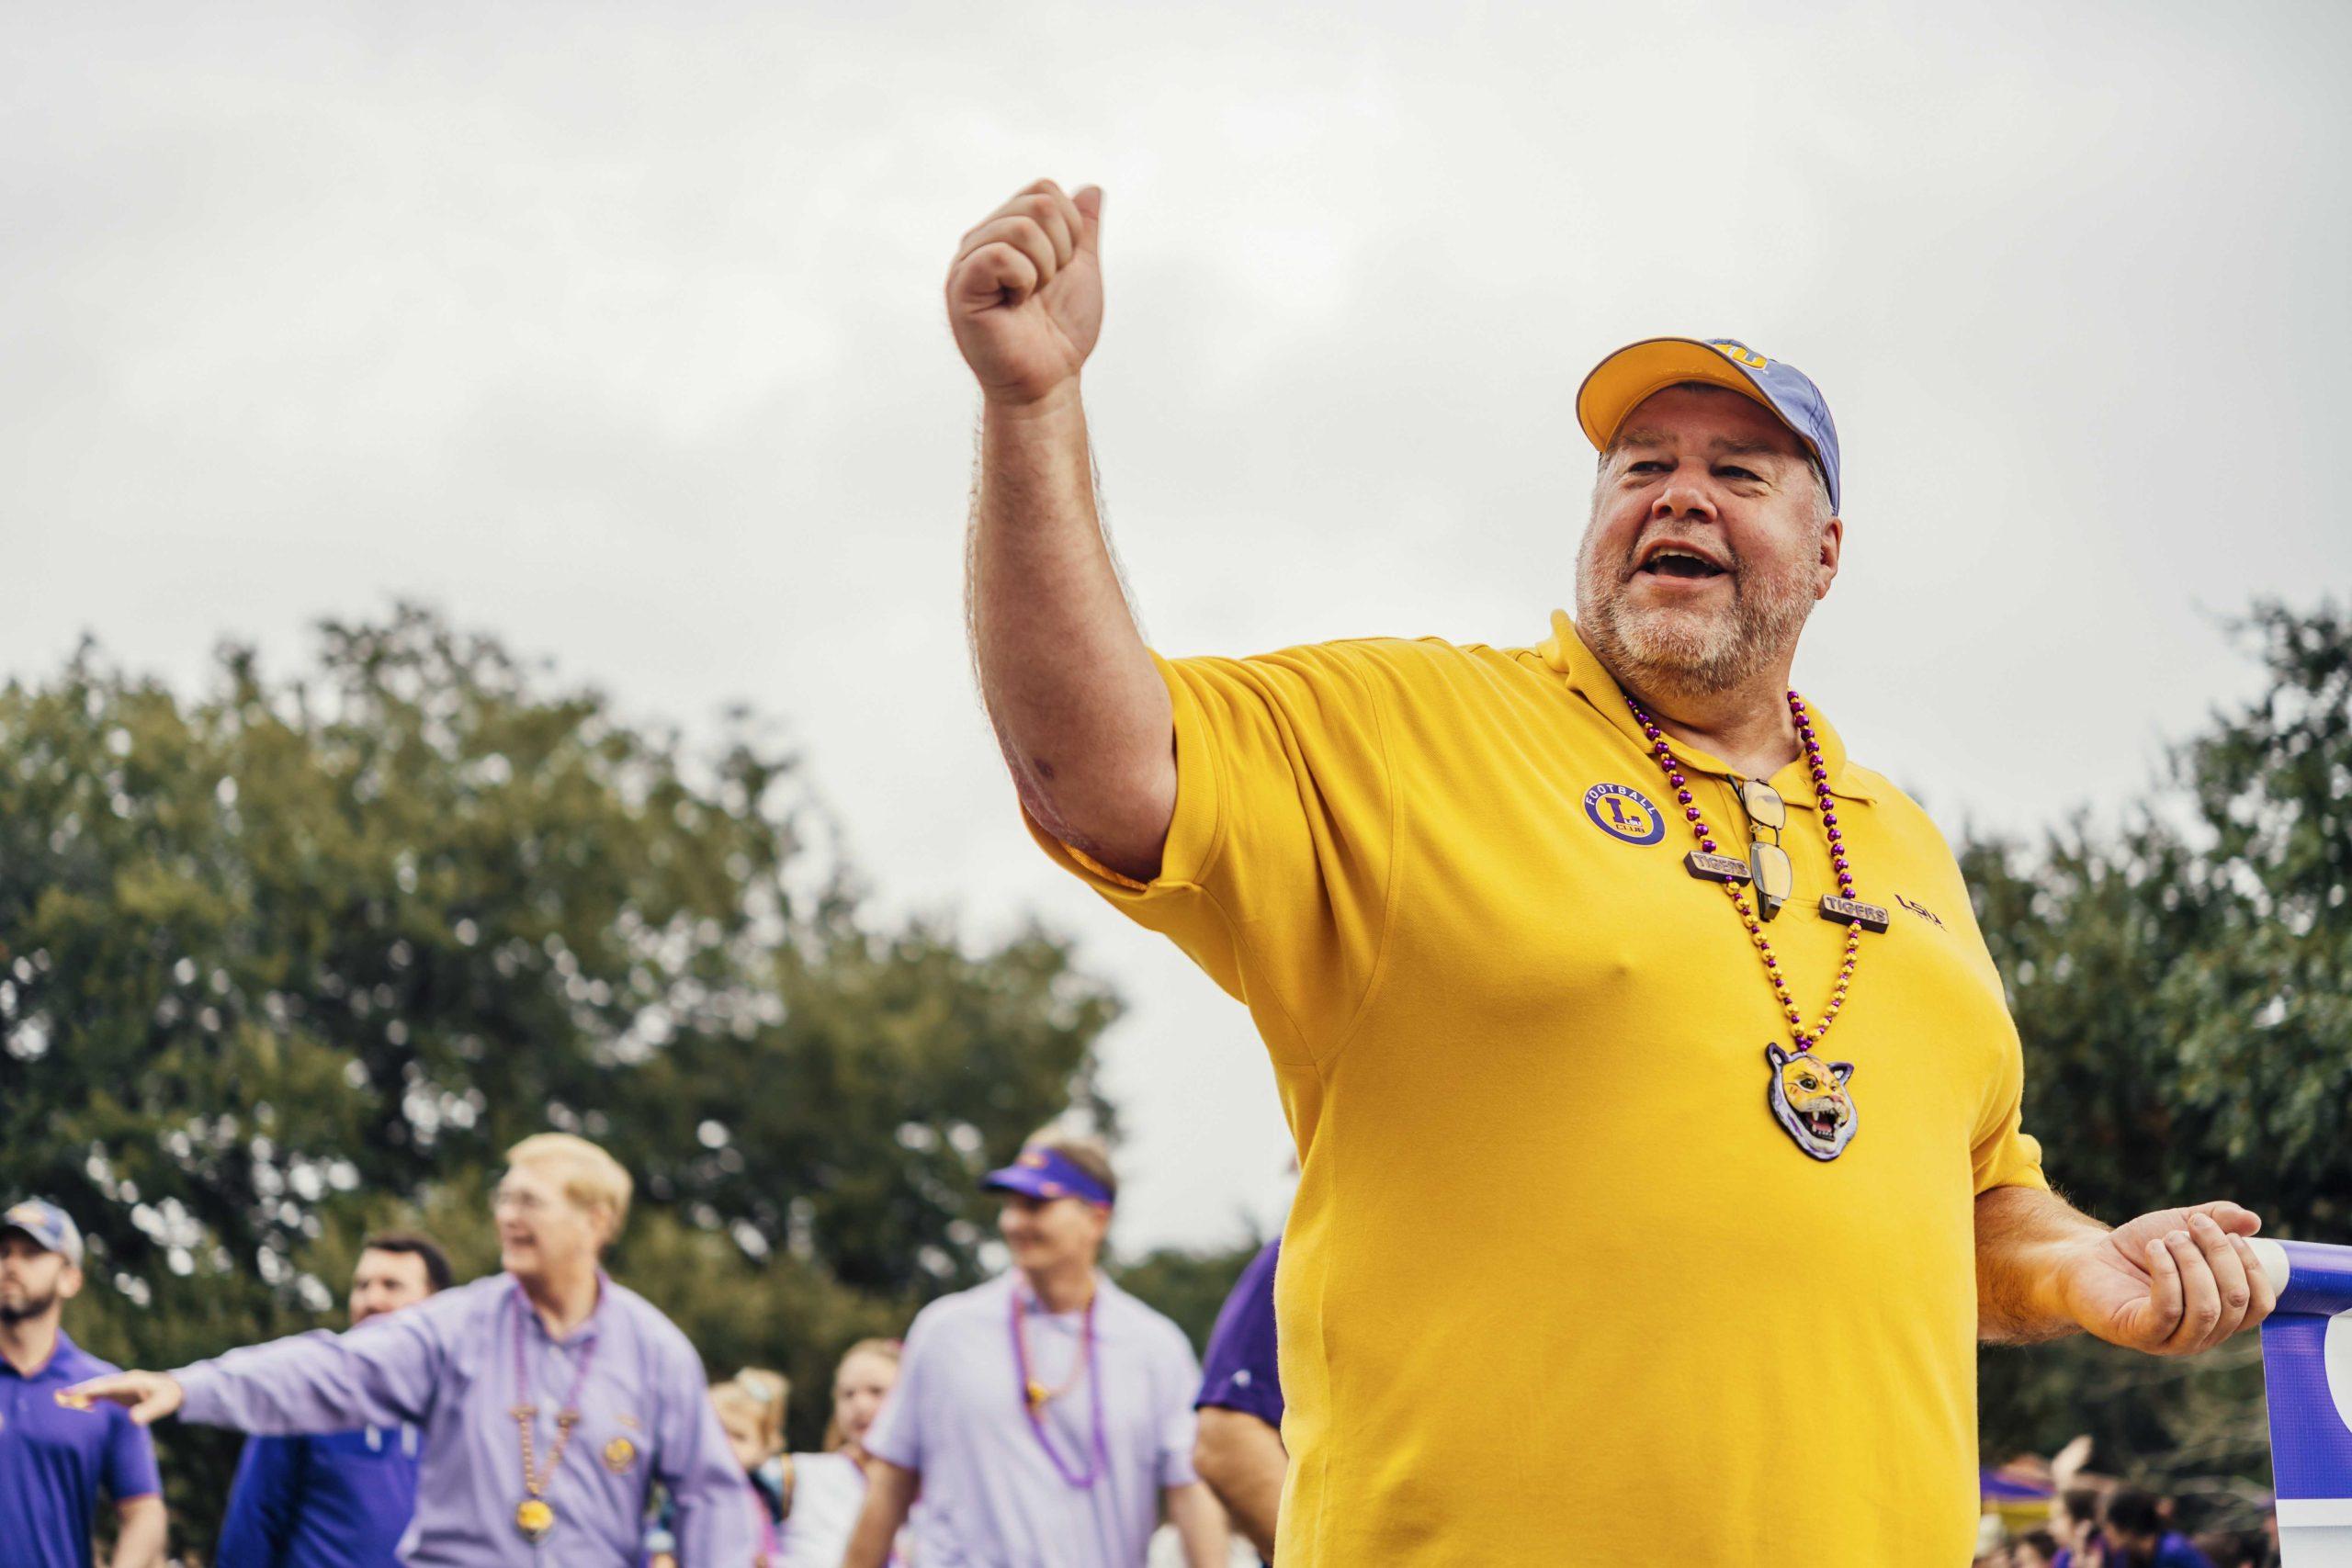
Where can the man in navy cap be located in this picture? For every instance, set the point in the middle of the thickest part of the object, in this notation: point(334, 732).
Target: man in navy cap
point(1046, 1417)
point(54, 1462)
point(344, 1499)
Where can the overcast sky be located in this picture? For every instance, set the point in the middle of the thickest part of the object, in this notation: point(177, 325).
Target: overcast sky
point(616, 330)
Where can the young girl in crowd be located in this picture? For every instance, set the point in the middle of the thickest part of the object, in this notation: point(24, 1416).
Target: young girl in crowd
point(751, 1410)
point(824, 1492)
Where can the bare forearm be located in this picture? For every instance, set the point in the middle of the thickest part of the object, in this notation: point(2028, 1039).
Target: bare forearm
point(1200, 1526)
point(1243, 1460)
point(139, 1535)
point(889, 1493)
point(2023, 1233)
point(1079, 711)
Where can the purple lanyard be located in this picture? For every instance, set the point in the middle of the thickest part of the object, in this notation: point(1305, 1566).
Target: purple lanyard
point(524, 1394)
point(1100, 1459)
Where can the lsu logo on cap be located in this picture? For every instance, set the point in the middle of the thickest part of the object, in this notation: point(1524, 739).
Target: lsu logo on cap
point(1623, 812)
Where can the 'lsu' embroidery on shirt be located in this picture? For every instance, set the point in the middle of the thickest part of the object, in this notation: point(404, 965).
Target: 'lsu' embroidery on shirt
point(1623, 812)
point(1920, 909)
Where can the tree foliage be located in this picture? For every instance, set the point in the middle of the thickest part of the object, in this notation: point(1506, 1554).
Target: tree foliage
point(298, 957)
point(2184, 986)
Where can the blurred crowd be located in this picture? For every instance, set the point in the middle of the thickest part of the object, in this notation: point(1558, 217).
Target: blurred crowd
point(2054, 1513)
point(546, 1414)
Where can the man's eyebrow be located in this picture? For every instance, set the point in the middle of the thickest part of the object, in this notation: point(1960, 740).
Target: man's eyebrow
point(1752, 445)
point(1737, 445)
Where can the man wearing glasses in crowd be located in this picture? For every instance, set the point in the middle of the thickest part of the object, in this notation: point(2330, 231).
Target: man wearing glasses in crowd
point(1657, 1103)
point(551, 1397)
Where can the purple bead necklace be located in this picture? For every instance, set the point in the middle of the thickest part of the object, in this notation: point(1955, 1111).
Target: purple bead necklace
point(533, 1516)
point(1804, 1038)
point(1034, 1397)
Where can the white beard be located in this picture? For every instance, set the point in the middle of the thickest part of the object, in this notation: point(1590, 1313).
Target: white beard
point(1701, 652)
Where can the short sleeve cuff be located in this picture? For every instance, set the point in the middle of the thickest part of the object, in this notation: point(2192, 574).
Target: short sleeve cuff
point(1241, 1392)
point(1176, 1463)
point(1193, 833)
point(2016, 1161)
point(885, 1442)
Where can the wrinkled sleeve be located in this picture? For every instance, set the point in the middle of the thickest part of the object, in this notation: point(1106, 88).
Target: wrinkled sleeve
point(1180, 1374)
point(261, 1504)
point(2001, 1152)
point(131, 1469)
point(896, 1434)
point(1276, 872)
point(709, 1513)
point(379, 1374)
point(1241, 1374)
point(2005, 1155)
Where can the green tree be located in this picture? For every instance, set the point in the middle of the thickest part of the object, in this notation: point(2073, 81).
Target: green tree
point(2184, 986)
point(1188, 1284)
point(296, 957)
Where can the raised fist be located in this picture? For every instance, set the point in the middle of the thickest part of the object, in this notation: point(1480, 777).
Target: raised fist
point(1024, 295)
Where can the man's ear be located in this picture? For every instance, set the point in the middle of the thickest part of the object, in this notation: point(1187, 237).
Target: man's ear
point(69, 1282)
point(1833, 549)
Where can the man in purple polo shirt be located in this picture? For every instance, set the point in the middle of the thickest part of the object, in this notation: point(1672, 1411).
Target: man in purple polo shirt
point(552, 1398)
point(1044, 1417)
point(54, 1461)
point(1239, 1452)
point(343, 1500)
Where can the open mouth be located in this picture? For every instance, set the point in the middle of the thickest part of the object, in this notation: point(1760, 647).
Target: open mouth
point(1822, 1124)
point(1679, 563)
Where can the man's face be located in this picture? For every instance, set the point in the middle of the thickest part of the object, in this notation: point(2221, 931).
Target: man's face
point(1048, 1232)
point(387, 1282)
point(33, 1279)
point(1707, 547)
point(541, 1231)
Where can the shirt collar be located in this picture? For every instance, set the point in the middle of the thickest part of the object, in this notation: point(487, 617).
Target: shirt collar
point(1565, 654)
point(1106, 1299)
point(591, 1327)
point(63, 1362)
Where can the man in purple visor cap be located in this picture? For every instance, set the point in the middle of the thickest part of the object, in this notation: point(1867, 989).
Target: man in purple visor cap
point(552, 1398)
point(1046, 1417)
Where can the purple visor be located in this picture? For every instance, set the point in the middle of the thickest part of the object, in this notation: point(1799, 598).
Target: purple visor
point(1046, 1174)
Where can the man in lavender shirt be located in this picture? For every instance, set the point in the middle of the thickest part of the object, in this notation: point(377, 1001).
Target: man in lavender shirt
point(1043, 1417)
point(552, 1398)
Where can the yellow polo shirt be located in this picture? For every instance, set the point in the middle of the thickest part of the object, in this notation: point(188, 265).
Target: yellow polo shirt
point(1556, 1288)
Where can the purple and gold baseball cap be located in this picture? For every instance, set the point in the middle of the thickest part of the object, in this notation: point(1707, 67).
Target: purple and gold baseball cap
point(1046, 1174)
point(51, 1227)
point(1619, 383)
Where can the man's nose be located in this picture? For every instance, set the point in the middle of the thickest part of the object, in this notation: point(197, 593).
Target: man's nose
point(1685, 494)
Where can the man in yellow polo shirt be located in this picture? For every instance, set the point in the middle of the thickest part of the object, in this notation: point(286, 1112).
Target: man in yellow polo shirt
point(1657, 1101)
